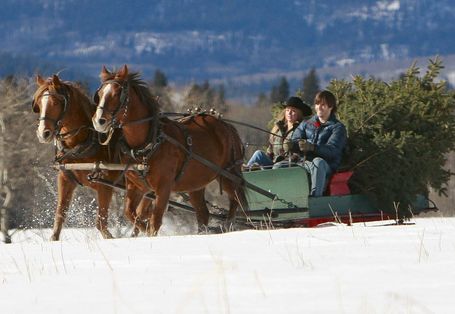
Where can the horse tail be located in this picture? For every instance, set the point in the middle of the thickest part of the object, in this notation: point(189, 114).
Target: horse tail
point(238, 154)
point(241, 192)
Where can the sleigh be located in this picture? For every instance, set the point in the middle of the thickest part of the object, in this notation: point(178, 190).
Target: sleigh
point(293, 207)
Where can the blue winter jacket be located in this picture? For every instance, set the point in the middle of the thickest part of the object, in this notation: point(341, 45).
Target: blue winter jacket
point(329, 139)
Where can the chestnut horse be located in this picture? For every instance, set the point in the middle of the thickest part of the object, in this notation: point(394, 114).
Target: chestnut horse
point(65, 118)
point(180, 155)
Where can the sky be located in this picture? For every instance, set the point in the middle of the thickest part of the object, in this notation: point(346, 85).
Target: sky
point(365, 268)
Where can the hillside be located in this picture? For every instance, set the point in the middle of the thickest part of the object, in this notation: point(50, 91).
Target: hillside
point(220, 40)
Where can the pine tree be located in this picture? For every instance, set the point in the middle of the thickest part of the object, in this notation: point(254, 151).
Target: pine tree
point(399, 134)
point(310, 86)
point(280, 92)
point(207, 97)
point(219, 100)
point(159, 88)
point(159, 79)
point(263, 100)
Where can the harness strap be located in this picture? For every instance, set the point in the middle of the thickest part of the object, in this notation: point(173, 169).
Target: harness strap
point(189, 150)
point(70, 174)
point(143, 154)
point(86, 149)
point(108, 138)
point(223, 172)
point(74, 132)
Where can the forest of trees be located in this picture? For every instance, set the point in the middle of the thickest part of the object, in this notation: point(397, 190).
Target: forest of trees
point(403, 125)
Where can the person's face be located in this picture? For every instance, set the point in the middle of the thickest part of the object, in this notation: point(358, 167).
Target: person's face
point(292, 114)
point(322, 110)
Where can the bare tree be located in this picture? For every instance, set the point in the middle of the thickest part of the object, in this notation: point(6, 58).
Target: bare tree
point(5, 191)
point(20, 152)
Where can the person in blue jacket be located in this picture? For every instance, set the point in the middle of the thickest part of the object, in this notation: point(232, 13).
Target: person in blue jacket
point(320, 141)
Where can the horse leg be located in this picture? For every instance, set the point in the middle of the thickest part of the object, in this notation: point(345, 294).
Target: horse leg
point(104, 199)
point(132, 199)
point(65, 188)
point(237, 198)
point(197, 200)
point(156, 218)
point(143, 212)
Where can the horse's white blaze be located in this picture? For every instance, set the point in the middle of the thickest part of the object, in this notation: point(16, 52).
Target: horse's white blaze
point(99, 110)
point(43, 111)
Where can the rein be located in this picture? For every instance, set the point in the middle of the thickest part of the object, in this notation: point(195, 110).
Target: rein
point(252, 127)
point(176, 114)
point(180, 115)
point(74, 132)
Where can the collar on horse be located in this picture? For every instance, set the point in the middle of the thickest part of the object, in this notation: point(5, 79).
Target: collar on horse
point(83, 150)
point(155, 139)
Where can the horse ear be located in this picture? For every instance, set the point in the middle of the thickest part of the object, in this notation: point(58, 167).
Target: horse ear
point(123, 72)
point(39, 80)
point(105, 74)
point(56, 81)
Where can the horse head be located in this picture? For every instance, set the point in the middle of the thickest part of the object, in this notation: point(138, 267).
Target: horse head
point(111, 98)
point(51, 102)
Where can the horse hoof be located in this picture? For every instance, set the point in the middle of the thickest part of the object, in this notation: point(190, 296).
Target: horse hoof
point(54, 237)
point(152, 233)
point(228, 226)
point(203, 229)
point(107, 235)
point(209, 230)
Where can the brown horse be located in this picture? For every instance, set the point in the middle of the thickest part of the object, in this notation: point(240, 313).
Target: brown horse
point(65, 118)
point(179, 155)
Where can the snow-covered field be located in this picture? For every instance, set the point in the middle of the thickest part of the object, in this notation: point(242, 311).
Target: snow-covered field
point(336, 269)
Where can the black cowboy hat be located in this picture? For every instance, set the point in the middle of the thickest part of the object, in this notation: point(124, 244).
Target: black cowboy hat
point(296, 102)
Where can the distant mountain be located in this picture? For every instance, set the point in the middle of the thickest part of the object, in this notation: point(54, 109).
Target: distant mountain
point(219, 40)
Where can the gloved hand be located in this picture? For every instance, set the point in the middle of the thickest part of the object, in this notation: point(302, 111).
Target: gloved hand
point(294, 157)
point(306, 146)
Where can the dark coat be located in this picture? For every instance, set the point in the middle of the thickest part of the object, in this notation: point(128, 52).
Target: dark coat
point(329, 139)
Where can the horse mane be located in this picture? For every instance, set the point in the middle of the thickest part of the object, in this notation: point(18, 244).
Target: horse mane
point(87, 105)
point(143, 92)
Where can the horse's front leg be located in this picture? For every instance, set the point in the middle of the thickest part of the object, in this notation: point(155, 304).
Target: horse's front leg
point(197, 200)
point(104, 200)
point(132, 200)
point(162, 200)
point(65, 188)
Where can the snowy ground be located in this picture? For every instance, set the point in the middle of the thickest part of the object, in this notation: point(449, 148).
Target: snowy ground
point(336, 269)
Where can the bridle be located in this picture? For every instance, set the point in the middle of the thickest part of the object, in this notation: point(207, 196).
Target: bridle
point(124, 100)
point(57, 122)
